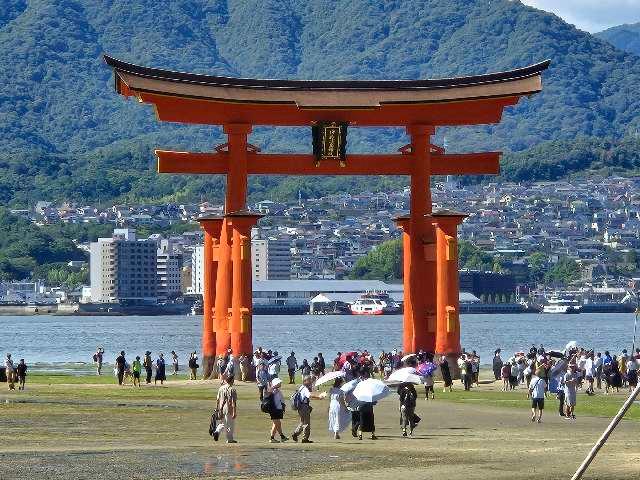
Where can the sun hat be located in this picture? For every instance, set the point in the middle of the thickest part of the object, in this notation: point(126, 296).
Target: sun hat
point(276, 382)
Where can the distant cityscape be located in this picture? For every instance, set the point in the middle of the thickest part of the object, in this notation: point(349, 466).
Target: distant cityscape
point(594, 222)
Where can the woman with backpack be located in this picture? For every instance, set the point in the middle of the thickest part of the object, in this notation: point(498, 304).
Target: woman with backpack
point(273, 404)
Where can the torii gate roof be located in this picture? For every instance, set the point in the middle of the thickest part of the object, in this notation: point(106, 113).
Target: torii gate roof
point(205, 99)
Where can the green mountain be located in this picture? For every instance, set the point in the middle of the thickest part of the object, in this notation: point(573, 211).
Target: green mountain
point(625, 37)
point(66, 135)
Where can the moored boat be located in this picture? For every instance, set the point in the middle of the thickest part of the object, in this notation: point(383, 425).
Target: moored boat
point(375, 303)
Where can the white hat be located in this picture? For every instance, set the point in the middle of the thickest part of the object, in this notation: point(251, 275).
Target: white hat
point(276, 382)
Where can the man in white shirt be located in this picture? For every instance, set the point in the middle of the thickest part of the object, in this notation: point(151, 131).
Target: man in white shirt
point(536, 392)
point(304, 411)
point(597, 365)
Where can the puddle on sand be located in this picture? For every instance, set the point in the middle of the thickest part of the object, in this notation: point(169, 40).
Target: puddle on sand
point(225, 464)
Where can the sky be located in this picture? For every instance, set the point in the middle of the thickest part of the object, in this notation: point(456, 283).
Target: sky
point(591, 15)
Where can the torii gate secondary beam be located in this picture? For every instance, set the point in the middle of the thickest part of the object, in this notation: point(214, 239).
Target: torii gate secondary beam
point(487, 163)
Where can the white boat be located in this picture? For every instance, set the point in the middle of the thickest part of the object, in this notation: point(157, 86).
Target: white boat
point(556, 304)
point(375, 303)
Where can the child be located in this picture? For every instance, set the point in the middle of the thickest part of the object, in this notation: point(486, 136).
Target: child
point(22, 374)
point(136, 367)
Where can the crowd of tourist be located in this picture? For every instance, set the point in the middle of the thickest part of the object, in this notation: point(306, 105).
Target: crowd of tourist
point(565, 373)
point(542, 373)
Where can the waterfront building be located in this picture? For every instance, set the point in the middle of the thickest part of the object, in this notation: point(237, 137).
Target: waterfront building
point(123, 269)
point(169, 269)
point(271, 259)
point(197, 270)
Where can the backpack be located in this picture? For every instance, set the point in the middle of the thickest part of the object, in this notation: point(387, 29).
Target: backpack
point(267, 404)
point(212, 425)
point(296, 400)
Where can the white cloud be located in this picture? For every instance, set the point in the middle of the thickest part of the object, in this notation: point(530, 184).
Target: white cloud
point(591, 15)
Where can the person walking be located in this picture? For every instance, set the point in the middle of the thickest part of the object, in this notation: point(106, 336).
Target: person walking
point(148, 366)
point(276, 410)
point(274, 366)
point(121, 364)
point(408, 399)
point(446, 374)
point(570, 390)
point(136, 369)
point(174, 359)
point(8, 365)
point(598, 370)
point(243, 361)
point(339, 415)
point(322, 363)
point(160, 370)
point(505, 374)
point(292, 366)
point(262, 379)
point(193, 366)
point(301, 401)
point(98, 357)
point(537, 389)
point(227, 410)
point(497, 364)
point(475, 368)
point(21, 370)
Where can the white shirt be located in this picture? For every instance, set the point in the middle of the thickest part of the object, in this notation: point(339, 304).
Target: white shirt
point(589, 366)
point(632, 365)
point(537, 387)
point(305, 394)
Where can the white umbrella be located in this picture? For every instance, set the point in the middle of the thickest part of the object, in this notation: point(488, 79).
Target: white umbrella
point(350, 386)
point(327, 377)
point(408, 357)
point(404, 376)
point(406, 370)
point(371, 390)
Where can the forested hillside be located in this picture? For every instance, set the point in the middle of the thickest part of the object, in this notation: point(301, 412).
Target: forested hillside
point(625, 37)
point(66, 135)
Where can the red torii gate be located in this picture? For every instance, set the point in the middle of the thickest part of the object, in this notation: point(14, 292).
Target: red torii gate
point(431, 305)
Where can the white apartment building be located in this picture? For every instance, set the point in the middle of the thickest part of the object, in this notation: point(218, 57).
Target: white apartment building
point(169, 269)
point(271, 259)
point(123, 268)
point(197, 270)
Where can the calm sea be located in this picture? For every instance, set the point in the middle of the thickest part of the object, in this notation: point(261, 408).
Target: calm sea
point(68, 343)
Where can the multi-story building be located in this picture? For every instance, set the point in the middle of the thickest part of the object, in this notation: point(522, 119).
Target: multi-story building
point(169, 270)
point(123, 269)
point(271, 259)
point(197, 270)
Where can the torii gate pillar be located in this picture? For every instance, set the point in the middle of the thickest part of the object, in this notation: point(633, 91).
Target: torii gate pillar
point(212, 227)
point(447, 296)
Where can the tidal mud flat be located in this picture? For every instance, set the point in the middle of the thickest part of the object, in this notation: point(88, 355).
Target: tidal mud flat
point(101, 431)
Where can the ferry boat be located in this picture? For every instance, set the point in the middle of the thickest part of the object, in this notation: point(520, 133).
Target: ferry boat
point(375, 303)
point(556, 304)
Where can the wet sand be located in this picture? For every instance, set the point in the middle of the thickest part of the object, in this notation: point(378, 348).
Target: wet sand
point(108, 432)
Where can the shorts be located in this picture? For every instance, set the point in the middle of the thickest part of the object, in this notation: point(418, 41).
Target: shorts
point(537, 403)
point(136, 375)
point(276, 414)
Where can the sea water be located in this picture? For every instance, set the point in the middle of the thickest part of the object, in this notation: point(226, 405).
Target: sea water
point(67, 343)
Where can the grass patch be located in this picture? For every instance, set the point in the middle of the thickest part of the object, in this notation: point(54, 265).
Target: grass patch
point(599, 405)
